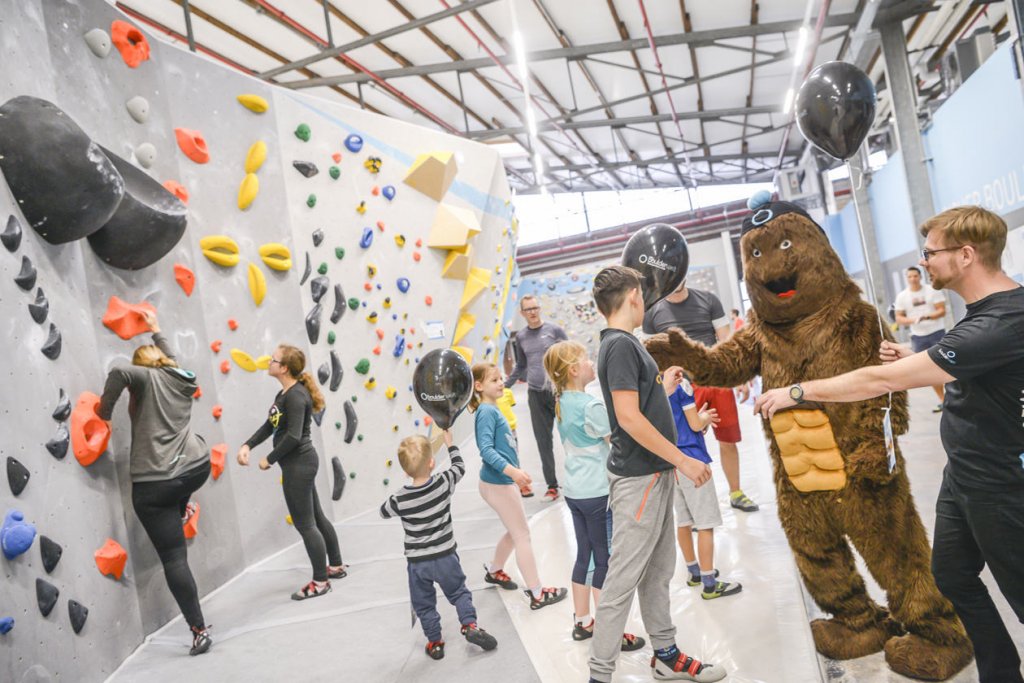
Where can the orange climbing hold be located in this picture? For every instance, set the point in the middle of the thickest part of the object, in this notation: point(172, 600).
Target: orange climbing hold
point(185, 278)
point(111, 559)
point(416, 256)
point(177, 189)
point(89, 433)
point(125, 319)
point(225, 367)
point(429, 301)
point(193, 144)
point(376, 350)
point(233, 324)
point(367, 286)
point(375, 191)
point(215, 345)
point(191, 527)
point(419, 242)
point(130, 42)
point(217, 454)
point(380, 225)
point(217, 411)
point(198, 393)
point(427, 420)
point(337, 157)
point(380, 333)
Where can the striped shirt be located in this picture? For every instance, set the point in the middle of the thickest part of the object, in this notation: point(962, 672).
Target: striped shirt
point(426, 514)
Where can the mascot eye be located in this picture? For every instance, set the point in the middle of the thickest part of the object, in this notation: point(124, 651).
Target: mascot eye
point(756, 253)
point(786, 244)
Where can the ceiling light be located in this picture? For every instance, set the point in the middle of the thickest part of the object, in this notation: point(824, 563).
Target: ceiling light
point(531, 121)
point(801, 45)
point(520, 53)
point(788, 103)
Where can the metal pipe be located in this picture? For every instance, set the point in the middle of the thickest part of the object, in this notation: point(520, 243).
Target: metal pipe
point(188, 26)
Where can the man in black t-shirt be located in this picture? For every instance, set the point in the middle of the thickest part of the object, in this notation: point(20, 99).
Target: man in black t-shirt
point(980, 509)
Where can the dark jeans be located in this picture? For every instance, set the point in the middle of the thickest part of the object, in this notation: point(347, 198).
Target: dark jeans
point(446, 572)
point(318, 534)
point(974, 529)
point(542, 416)
point(591, 520)
point(160, 505)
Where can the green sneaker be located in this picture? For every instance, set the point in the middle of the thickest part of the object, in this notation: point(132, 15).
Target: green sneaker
point(741, 501)
point(721, 590)
point(696, 580)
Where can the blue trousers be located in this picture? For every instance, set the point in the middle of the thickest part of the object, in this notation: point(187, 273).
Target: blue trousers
point(447, 573)
point(591, 520)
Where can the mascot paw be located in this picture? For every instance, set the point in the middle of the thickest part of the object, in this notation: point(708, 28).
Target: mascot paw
point(838, 640)
point(665, 347)
point(913, 656)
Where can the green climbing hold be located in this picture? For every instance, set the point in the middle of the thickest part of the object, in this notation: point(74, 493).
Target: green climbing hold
point(311, 201)
point(360, 437)
point(339, 252)
point(363, 366)
point(335, 172)
point(353, 303)
point(331, 337)
point(337, 425)
point(386, 481)
point(323, 268)
point(302, 132)
point(351, 475)
point(355, 398)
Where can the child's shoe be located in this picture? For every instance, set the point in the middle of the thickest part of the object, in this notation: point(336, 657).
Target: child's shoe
point(312, 590)
point(695, 579)
point(552, 494)
point(339, 572)
point(201, 640)
point(435, 649)
point(631, 642)
point(721, 590)
point(581, 632)
point(548, 596)
point(479, 637)
point(500, 578)
point(685, 668)
point(742, 502)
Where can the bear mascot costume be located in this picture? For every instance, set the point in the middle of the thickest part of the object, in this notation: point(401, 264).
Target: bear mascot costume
point(833, 479)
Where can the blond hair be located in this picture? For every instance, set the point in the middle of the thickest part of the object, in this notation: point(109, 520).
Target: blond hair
point(294, 360)
point(973, 225)
point(414, 455)
point(558, 360)
point(480, 371)
point(150, 356)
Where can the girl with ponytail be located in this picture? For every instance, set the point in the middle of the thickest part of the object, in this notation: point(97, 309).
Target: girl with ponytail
point(289, 421)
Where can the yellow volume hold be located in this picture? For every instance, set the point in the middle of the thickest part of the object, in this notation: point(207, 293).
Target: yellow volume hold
point(253, 103)
point(248, 190)
point(255, 157)
point(220, 249)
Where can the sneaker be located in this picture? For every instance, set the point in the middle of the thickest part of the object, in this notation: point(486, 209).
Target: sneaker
point(312, 590)
point(740, 501)
point(479, 637)
point(201, 640)
point(937, 409)
point(435, 649)
point(526, 492)
point(548, 596)
point(631, 642)
point(552, 494)
point(500, 578)
point(339, 572)
point(686, 669)
point(722, 589)
point(695, 580)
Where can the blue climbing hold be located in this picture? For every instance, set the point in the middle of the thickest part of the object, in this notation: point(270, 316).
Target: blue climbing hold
point(399, 346)
point(6, 624)
point(389, 192)
point(367, 239)
point(403, 284)
point(379, 286)
point(354, 143)
point(759, 199)
point(16, 535)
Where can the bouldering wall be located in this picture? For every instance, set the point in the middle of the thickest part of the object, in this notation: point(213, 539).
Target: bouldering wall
point(364, 241)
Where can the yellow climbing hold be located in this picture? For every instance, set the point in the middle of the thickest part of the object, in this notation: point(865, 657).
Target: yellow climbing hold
point(479, 279)
point(466, 323)
point(220, 249)
point(370, 383)
point(457, 263)
point(276, 256)
point(390, 392)
point(257, 284)
point(243, 360)
point(432, 174)
point(263, 362)
point(452, 227)
point(256, 156)
point(288, 519)
point(248, 190)
point(253, 103)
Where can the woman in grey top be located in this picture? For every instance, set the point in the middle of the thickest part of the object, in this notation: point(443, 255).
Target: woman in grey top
point(168, 462)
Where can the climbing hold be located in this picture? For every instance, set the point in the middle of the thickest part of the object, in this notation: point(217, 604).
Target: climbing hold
point(371, 270)
point(11, 236)
point(339, 479)
point(337, 373)
point(361, 208)
point(255, 157)
point(318, 287)
point(323, 373)
point(416, 256)
point(98, 41)
point(52, 345)
point(359, 438)
point(111, 559)
point(339, 253)
point(427, 420)
point(16, 535)
point(276, 256)
point(376, 350)
point(248, 190)
point(372, 318)
point(331, 337)
point(318, 237)
point(288, 519)
point(339, 309)
point(77, 613)
point(6, 624)
point(319, 417)
point(388, 192)
point(130, 42)
point(390, 392)
point(322, 268)
point(399, 346)
point(380, 225)
point(217, 411)
point(253, 103)
point(303, 132)
point(197, 394)
point(353, 303)
point(89, 433)
point(17, 475)
point(432, 174)
point(353, 143)
point(367, 239)
point(46, 596)
point(217, 455)
point(428, 300)
point(57, 446)
point(40, 307)
point(243, 360)
point(370, 383)
point(380, 333)
point(352, 475)
point(311, 200)
point(215, 344)
point(388, 463)
point(387, 302)
point(386, 481)
point(192, 144)
point(306, 271)
point(225, 367)
point(313, 324)
point(306, 168)
point(403, 284)
point(191, 527)
point(145, 154)
point(363, 366)
point(185, 278)
point(375, 191)
point(263, 362)
point(400, 240)
point(177, 189)
point(257, 284)
point(63, 409)
point(221, 249)
point(334, 172)
point(367, 286)
point(337, 157)
point(372, 164)
point(127, 320)
point(50, 551)
point(26, 278)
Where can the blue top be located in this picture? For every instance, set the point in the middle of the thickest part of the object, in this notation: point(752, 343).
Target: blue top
point(583, 428)
point(691, 443)
point(497, 444)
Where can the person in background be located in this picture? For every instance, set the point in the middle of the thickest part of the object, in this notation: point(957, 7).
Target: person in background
point(737, 320)
point(922, 309)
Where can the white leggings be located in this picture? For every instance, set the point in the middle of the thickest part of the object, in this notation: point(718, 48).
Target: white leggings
point(506, 500)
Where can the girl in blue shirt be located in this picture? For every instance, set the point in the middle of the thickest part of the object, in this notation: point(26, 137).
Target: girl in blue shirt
point(500, 482)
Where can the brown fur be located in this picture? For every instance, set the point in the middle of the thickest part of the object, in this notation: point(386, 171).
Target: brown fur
point(822, 331)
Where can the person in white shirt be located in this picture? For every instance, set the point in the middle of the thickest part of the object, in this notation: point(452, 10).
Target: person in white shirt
point(922, 309)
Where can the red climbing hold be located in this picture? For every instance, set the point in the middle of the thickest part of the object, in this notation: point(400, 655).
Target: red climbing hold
point(416, 256)
point(185, 278)
point(215, 345)
point(217, 412)
point(419, 242)
point(217, 454)
point(125, 319)
point(427, 420)
point(191, 525)
point(233, 324)
point(111, 559)
point(429, 301)
point(89, 433)
point(367, 286)
point(177, 189)
point(130, 42)
point(193, 144)
point(337, 157)
point(380, 225)
point(380, 333)
point(376, 350)
point(375, 191)
point(225, 366)
point(197, 393)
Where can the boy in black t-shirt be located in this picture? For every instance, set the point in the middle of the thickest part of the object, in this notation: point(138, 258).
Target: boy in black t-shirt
point(642, 477)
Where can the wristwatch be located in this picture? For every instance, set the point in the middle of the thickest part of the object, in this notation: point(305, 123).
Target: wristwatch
point(796, 392)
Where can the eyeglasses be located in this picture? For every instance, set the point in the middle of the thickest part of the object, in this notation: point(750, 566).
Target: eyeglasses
point(274, 360)
point(531, 310)
point(927, 253)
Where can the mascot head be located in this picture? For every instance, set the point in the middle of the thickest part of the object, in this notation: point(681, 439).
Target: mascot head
point(791, 270)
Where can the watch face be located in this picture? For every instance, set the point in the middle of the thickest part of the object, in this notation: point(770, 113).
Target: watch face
point(796, 393)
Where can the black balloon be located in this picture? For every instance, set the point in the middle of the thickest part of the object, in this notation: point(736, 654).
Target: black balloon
point(443, 384)
point(660, 253)
point(835, 108)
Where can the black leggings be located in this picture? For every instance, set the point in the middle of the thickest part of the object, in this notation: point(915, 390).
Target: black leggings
point(160, 505)
point(308, 517)
point(591, 520)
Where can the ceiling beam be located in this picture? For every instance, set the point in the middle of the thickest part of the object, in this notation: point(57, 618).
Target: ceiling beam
point(707, 158)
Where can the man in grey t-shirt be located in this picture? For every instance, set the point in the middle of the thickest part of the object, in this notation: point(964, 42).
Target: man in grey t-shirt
point(532, 342)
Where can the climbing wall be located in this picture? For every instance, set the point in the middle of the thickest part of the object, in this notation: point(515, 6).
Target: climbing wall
point(363, 241)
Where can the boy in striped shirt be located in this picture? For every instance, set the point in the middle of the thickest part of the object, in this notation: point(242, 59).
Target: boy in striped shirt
point(425, 510)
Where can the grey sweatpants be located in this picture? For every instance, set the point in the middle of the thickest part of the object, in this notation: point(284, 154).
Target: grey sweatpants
point(643, 561)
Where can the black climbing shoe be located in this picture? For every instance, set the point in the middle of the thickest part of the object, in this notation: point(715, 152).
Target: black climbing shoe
point(201, 640)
